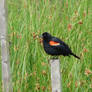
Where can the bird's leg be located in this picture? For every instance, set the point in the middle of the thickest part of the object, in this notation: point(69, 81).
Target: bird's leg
point(54, 57)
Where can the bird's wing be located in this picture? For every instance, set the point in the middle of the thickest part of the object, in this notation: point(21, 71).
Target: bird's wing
point(58, 44)
point(54, 43)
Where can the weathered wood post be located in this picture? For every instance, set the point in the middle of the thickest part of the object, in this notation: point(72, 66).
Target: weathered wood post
point(55, 75)
point(6, 78)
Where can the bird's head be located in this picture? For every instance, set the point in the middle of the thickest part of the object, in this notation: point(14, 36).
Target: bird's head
point(46, 36)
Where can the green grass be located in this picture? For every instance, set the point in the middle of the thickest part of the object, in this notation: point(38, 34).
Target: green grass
point(69, 20)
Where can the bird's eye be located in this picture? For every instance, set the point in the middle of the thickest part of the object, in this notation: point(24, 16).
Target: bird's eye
point(45, 35)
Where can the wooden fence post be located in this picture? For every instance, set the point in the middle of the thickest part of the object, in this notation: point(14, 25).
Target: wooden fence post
point(6, 78)
point(55, 75)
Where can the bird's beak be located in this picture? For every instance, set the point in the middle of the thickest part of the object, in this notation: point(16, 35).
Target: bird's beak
point(40, 36)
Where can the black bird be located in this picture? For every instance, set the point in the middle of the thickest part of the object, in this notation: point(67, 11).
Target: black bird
point(54, 46)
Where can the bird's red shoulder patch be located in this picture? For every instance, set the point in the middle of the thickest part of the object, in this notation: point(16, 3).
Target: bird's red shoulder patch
point(53, 43)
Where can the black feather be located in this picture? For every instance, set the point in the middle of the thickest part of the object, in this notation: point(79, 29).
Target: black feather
point(75, 55)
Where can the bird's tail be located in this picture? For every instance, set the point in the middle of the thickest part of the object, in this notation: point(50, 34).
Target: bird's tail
point(75, 55)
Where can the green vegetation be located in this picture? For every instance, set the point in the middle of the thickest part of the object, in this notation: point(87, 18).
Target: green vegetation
point(69, 20)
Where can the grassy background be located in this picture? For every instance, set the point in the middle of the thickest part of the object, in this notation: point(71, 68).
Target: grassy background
point(69, 20)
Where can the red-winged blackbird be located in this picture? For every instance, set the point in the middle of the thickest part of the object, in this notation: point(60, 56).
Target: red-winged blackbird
point(54, 46)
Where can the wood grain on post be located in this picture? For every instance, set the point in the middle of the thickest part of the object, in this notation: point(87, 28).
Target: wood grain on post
point(55, 75)
point(6, 78)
